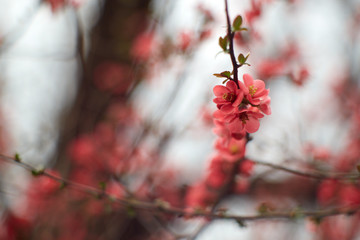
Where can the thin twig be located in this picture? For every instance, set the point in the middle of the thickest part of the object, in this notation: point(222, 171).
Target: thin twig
point(230, 35)
point(315, 175)
point(179, 212)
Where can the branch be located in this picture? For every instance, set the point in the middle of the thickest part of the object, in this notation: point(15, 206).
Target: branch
point(158, 206)
point(230, 35)
point(315, 175)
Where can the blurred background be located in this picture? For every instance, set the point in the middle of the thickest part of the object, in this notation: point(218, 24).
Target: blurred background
point(117, 94)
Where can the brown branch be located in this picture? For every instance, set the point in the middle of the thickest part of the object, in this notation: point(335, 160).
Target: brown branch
point(158, 206)
point(230, 35)
point(315, 175)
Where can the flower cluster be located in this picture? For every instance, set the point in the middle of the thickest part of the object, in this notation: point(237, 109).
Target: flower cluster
point(240, 106)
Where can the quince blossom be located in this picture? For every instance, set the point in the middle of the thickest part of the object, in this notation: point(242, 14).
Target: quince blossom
point(239, 109)
point(245, 120)
point(227, 97)
point(254, 89)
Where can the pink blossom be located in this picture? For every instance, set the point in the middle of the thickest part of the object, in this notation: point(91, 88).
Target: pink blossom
point(246, 167)
point(264, 105)
point(217, 172)
point(232, 149)
point(221, 130)
point(254, 89)
point(228, 97)
point(244, 120)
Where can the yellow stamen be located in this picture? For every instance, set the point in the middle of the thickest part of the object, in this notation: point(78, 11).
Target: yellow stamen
point(234, 149)
point(252, 90)
point(229, 97)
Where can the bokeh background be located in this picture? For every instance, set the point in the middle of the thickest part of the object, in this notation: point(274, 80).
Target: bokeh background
point(135, 78)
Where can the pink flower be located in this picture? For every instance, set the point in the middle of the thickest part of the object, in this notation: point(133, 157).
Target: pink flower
point(254, 89)
point(246, 167)
point(218, 172)
point(244, 120)
point(228, 97)
point(231, 149)
point(239, 108)
point(222, 131)
point(264, 105)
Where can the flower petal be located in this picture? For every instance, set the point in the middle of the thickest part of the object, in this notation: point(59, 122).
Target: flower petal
point(259, 84)
point(252, 125)
point(231, 85)
point(218, 114)
point(239, 98)
point(227, 108)
point(220, 90)
point(219, 100)
point(236, 126)
point(248, 80)
point(243, 88)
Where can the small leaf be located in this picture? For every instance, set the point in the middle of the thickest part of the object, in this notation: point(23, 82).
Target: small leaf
point(237, 23)
point(242, 59)
point(225, 74)
point(218, 75)
point(223, 43)
point(247, 56)
point(17, 157)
